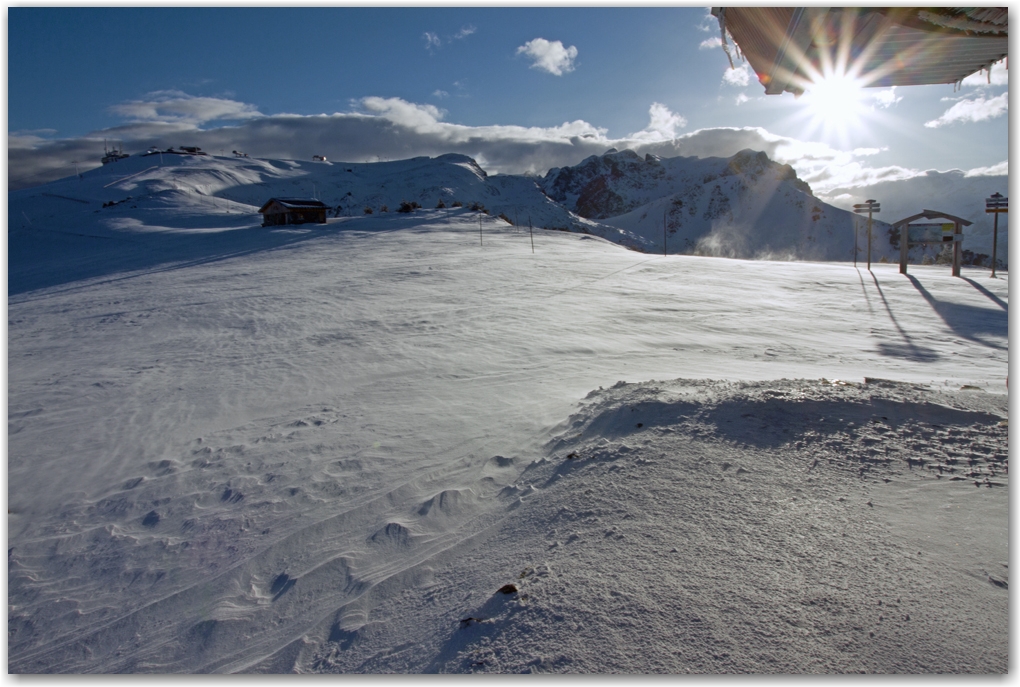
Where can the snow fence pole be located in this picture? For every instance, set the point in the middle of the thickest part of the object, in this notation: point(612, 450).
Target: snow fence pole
point(532, 232)
point(479, 228)
point(665, 211)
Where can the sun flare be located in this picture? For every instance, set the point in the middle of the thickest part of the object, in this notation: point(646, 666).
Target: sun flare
point(836, 102)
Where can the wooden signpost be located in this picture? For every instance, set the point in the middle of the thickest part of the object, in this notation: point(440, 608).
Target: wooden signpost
point(996, 204)
point(869, 207)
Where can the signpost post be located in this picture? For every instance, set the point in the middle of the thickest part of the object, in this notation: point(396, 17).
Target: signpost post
point(996, 204)
point(868, 206)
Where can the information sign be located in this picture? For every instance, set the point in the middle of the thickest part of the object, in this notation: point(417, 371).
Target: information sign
point(930, 233)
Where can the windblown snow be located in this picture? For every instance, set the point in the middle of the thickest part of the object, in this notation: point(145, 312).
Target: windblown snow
point(439, 442)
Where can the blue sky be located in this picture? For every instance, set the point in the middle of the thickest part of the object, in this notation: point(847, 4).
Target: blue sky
point(522, 88)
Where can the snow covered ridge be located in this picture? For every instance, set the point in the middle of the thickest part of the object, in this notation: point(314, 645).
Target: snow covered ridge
point(746, 206)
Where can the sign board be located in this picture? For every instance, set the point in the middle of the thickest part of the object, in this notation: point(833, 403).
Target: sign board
point(930, 233)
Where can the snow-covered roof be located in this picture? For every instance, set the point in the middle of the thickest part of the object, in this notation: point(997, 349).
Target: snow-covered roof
point(295, 204)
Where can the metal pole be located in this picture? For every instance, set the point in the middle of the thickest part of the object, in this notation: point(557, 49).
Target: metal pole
point(532, 232)
point(855, 242)
point(479, 228)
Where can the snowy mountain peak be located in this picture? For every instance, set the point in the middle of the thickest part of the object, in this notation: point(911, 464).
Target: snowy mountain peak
point(754, 163)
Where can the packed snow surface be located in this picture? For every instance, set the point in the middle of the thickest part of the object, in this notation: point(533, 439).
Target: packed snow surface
point(328, 448)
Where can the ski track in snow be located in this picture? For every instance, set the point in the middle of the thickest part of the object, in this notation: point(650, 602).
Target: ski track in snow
point(324, 449)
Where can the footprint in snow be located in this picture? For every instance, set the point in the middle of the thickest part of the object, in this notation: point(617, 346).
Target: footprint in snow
point(281, 585)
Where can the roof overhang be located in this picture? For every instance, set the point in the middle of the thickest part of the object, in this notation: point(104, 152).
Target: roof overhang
point(790, 47)
point(932, 214)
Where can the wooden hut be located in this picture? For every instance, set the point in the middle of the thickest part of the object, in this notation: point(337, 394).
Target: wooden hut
point(278, 211)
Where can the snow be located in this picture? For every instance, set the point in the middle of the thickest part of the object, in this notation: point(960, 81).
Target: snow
point(325, 448)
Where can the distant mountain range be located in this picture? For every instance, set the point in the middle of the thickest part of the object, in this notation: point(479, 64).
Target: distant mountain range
point(744, 206)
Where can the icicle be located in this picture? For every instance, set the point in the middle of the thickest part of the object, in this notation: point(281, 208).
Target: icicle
point(722, 32)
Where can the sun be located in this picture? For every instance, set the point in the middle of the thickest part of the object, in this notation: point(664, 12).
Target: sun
point(835, 103)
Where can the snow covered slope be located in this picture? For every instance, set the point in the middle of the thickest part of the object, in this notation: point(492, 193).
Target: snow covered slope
point(746, 206)
point(107, 208)
point(235, 448)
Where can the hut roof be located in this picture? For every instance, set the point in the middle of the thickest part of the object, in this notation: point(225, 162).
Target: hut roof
point(932, 214)
point(295, 204)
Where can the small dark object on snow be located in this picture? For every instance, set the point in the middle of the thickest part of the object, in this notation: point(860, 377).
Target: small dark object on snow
point(508, 589)
point(151, 519)
point(572, 455)
point(281, 585)
point(1002, 584)
point(469, 620)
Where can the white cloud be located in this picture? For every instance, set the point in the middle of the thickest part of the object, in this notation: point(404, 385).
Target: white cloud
point(663, 125)
point(708, 22)
point(176, 106)
point(864, 152)
point(738, 76)
point(742, 98)
point(378, 128)
point(422, 118)
point(432, 40)
point(550, 56)
point(440, 93)
point(1001, 169)
point(710, 43)
point(886, 97)
point(465, 32)
point(976, 110)
point(999, 77)
point(35, 132)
